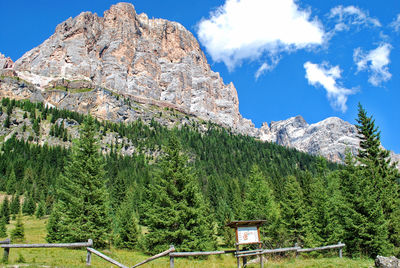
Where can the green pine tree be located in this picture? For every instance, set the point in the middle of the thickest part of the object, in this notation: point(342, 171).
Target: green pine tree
point(5, 210)
point(18, 233)
point(29, 205)
point(259, 204)
point(366, 229)
point(382, 174)
point(293, 215)
point(82, 197)
point(15, 205)
point(3, 227)
point(128, 228)
point(55, 227)
point(177, 213)
point(11, 182)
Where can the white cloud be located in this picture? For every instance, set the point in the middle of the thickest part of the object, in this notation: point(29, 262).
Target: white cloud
point(249, 29)
point(376, 62)
point(351, 16)
point(396, 23)
point(327, 77)
point(266, 67)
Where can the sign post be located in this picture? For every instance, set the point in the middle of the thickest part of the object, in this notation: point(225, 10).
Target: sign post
point(247, 232)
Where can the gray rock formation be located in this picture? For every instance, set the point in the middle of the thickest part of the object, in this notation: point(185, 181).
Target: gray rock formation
point(328, 138)
point(144, 59)
point(94, 64)
point(387, 262)
point(5, 63)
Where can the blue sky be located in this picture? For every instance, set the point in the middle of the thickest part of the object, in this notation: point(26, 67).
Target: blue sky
point(312, 58)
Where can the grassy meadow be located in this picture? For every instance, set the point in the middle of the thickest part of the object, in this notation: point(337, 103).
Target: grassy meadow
point(35, 232)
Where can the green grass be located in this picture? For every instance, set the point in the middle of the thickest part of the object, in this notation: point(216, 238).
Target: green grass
point(35, 232)
point(80, 90)
point(61, 88)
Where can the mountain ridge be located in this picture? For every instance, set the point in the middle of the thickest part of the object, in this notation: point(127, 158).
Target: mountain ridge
point(151, 62)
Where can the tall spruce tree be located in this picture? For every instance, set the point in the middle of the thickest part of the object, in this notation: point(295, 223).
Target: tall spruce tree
point(15, 205)
point(259, 204)
point(381, 173)
point(5, 210)
point(18, 233)
point(3, 227)
point(293, 215)
point(128, 232)
point(177, 213)
point(81, 211)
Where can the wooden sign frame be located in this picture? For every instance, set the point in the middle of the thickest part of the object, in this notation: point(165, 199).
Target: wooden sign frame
point(247, 224)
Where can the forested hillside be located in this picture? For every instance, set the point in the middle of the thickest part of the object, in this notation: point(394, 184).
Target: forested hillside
point(305, 199)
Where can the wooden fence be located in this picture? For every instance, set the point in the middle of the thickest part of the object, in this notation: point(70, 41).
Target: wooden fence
point(6, 244)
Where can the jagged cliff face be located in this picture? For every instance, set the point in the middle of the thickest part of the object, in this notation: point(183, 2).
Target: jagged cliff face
point(148, 60)
point(328, 138)
point(90, 60)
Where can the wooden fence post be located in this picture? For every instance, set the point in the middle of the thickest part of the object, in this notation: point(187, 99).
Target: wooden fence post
point(237, 253)
point(261, 258)
point(296, 246)
point(171, 258)
point(6, 250)
point(89, 253)
point(340, 250)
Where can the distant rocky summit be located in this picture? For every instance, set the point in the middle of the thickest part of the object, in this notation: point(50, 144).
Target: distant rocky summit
point(329, 137)
point(120, 66)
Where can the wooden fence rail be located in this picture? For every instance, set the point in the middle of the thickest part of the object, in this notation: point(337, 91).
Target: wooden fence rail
point(101, 255)
point(265, 251)
point(340, 246)
point(247, 253)
point(162, 254)
point(8, 246)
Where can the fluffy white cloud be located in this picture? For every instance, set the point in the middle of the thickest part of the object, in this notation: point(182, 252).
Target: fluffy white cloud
point(249, 29)
point(351, 15)
point(396, 23)
point(376, 62)
point(327, 77)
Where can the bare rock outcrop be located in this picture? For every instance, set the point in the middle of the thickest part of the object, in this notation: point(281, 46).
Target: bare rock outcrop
point(91, 59)
point(328, 138)
point(387, 262)
point(140, 58)
point(5, 63)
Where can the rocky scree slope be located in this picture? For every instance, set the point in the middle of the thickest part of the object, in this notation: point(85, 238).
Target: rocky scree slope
point(122, 66)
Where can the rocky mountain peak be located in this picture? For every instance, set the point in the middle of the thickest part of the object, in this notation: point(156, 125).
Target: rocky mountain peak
point(147, 60)
point(5, 62)
point(121, 12)
point(94, 64)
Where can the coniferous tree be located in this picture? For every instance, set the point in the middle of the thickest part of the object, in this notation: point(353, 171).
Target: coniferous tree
point(11, 183)
point(127, 226)
point(5, 210)
point(55, 227)
point(3, 227)
point(177, 211)
point(29, 206)
point(259, 204)
point(15, 205)
point(18, 233)
point(292, 212)
point(377, 169)
point(81, 207)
